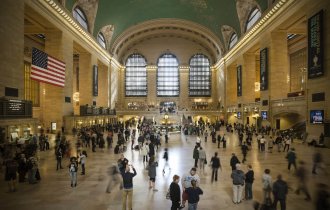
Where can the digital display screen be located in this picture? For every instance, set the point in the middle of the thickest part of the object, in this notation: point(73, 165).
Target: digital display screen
point(317, 116)
point(239, 115)
point(264, 115)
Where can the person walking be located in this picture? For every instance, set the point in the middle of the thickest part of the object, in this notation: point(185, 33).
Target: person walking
point(206, 135)
point(127, 187)
point(267, 186)
point(165, 156)
point(82, 157)
point(193, 195)
point(317, 163)
point(144, 152)
point(301, 174)
point(249, 178)
point(59, 156)
point(73, 170)
point(186, 183)
point(202, 159)
point(291, 156)
point(224, 141)
point(215, 163)
point(115, 178)
point(175, 193)
point(152, 173)
point(287, 143)
point(238, 183)
point(233, 161)
point(219, 140)
point(196, 155)
point(244, 149)
point(280, 190)
point(262, 143)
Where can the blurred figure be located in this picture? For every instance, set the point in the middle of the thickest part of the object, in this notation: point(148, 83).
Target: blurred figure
point(202, 159)
point(322, 197)
point(267, 186)
point(317, 162)
point(233, 161)
point(115, 178)
point(11, 174)
point(244, 149)
point(186, 183)
point(165, 156)
point(152, 173)
point(291, 156)
point(280, 190)
point(302, 179)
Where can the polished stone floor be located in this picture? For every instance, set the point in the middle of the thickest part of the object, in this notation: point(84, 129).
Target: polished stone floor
point(54, 191)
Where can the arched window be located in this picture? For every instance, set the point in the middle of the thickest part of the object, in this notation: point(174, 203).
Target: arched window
point(199, 76)
point(136, 76)
point(168, 81)
point(253, 18)
point(101, 40)
point(80, 16)
point(233, 40)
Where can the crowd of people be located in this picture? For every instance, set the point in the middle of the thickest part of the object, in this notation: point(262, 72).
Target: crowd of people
point(145, 138)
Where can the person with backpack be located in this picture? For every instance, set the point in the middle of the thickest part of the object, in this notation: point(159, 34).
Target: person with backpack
point(73, 169)
point(238, 177)
point(193, 195)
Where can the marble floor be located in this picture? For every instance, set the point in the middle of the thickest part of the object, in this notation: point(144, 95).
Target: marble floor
point(54, 191)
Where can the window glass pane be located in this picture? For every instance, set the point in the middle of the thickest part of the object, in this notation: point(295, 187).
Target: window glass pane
point(233, 40)
point(101, 39)
point(136, 76)
point(79, 15)
point(168, 83)
point(253, 18)
point(199, 76)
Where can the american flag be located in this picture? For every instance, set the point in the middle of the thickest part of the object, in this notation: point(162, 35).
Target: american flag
point(47, 69)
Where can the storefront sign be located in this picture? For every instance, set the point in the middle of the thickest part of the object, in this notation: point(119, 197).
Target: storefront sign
point(239, 80)
point(315, 45)
point(264, 69)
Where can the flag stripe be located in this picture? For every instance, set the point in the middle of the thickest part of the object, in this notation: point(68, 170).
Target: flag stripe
point(58, 62)
point(36, 68)
point(40, 74)
point(41, 79)
point(56, 70)
point(47, 69)
point(55, 66)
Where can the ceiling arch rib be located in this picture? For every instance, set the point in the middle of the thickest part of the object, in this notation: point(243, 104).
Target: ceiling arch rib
point(168, 27)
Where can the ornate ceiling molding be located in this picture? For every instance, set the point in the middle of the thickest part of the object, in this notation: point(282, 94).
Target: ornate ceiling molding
point(168, 28)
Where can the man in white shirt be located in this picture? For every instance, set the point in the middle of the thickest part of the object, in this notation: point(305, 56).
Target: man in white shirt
point(186, 183)
point(262, 143)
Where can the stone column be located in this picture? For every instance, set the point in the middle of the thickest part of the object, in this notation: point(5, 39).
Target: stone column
point(278, 66)
point(101, 99)
point(60, 46)
point(85, 79)
point(12, 46)
point(249, 78)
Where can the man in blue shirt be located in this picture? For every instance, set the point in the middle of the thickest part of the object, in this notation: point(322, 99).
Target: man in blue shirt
point(128, 186)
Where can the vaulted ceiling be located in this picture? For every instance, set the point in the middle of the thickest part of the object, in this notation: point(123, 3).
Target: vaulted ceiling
point(211, 16)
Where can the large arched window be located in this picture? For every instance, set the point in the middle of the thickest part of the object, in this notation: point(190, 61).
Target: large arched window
point(199, 76)
point(80, 16)
point(101, 40)
point(168, 82)
point(233, 40)
point(136, 76)
point(254, 16)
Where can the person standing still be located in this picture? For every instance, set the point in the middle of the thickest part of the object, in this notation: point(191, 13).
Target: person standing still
point(267, 185)
point(249, 178)
point(196, 155)
point(238, 183)
point(175, 193)
point(127, 187)
point(280, 190)
point(215, 163)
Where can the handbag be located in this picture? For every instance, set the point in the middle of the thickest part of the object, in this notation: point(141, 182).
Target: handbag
point(168, 194)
